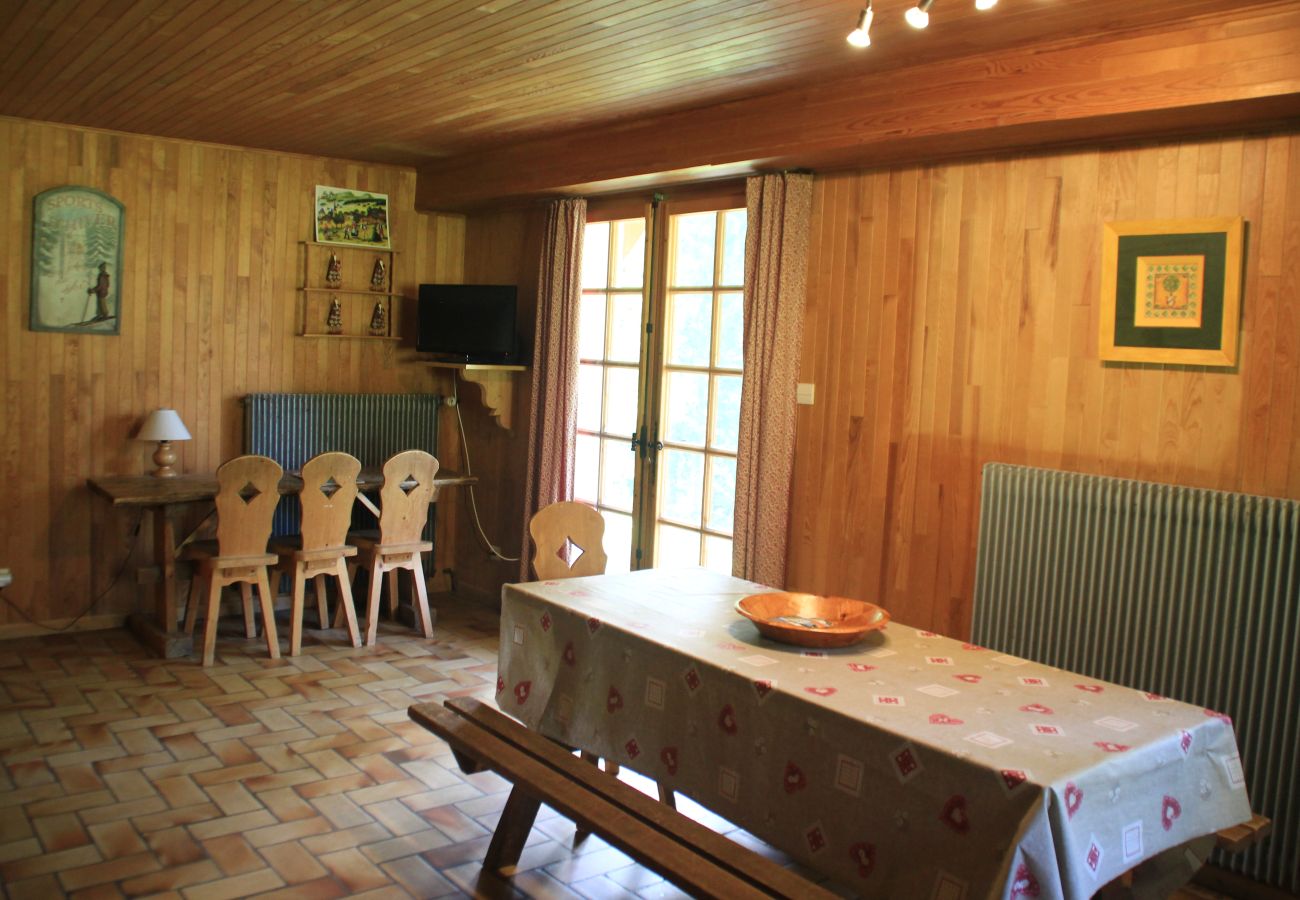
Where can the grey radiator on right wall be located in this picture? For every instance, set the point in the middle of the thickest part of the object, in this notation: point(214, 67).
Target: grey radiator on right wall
point(1189, 593)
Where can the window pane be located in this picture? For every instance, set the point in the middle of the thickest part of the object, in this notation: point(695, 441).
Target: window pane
point(617, 542)
point(625, 328)
point(722, 492)
point(692, 251)
point(591, 327)
point(677, 547)
point(595, 255)
point(691, 316)
point(629, 252)
point(586, 477)
point(589, 396)
point(726, 412)
point(616, 474)
point(620, 400)
point(717, 554)
point(731, 331)
point(682, 487)
point(686, 407)
point(733, 247)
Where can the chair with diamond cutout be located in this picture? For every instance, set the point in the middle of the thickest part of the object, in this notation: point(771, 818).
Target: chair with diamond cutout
point(329, 490)
point(248, 489)
point(567, 541)
point(404, 508)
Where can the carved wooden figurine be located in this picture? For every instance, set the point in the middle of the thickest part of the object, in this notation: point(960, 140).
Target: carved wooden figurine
point(379, 319)
point(378, 277)
point(334, 322)
point(334, 272)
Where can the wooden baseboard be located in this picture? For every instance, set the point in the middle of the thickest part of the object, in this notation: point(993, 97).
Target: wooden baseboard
point(52, 626)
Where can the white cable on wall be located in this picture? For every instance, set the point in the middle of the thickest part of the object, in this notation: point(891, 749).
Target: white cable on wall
point(469, 470)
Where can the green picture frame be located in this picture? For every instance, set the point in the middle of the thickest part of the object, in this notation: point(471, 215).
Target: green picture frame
point(76, 276)
point(1171, 291)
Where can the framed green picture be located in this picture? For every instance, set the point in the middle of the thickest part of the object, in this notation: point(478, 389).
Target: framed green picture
point(1171, 291)
point(346, 216)
point(77, 237)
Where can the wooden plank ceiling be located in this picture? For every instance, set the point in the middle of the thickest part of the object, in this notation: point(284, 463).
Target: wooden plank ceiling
point(416, 81)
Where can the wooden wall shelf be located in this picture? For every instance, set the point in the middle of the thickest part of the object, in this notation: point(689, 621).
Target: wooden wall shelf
point(387, 250)
point(495, 382)
point(350, 337)
point(478, 367)
point(356, 264)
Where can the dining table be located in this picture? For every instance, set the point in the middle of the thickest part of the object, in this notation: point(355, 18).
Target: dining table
point(907, 765)
point(157, 626)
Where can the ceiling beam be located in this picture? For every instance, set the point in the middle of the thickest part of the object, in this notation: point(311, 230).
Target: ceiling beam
point(1237, 69)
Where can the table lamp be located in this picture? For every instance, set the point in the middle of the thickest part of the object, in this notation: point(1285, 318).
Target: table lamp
point(163, 426)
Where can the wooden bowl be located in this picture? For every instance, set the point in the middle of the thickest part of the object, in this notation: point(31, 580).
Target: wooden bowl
point(812, 621)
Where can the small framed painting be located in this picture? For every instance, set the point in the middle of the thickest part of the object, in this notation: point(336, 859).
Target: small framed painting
point(76, 261)
point(1171, 291)
point(345, 216)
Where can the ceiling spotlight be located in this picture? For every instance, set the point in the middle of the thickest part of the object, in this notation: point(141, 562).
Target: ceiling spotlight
point(985, 4)
point(860, 36)
point(919, 16)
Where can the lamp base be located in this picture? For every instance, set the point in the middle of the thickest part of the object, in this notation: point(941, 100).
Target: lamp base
point(164, 457)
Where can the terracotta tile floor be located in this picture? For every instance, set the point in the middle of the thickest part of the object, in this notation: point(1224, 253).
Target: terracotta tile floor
point(125, 775)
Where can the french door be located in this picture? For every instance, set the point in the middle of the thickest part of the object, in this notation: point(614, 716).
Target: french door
point(661, 327)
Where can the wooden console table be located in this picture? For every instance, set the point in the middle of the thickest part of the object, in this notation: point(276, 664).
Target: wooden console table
point(162, 497)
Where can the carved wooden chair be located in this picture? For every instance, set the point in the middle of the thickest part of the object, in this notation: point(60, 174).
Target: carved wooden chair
point(329, 490)
point(248, 491)
point(404, 508)
point(567, 541)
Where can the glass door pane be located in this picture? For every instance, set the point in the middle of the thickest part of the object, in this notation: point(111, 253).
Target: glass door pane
point(700, 415)
point(609, 373)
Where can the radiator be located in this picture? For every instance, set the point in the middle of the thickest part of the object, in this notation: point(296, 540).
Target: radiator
point(292, 428)
point(1193, 594)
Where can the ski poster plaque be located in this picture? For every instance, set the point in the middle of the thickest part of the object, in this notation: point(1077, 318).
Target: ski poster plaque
point(76, 261)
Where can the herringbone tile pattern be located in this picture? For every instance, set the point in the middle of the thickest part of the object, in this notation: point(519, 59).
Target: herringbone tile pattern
point(125, 775)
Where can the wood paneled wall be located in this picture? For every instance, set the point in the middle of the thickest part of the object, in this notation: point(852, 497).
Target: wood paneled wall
point(210, 313)
point(952, 320)
point(502, 247)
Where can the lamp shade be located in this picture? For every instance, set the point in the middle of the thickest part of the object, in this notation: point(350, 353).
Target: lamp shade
point(163, 425)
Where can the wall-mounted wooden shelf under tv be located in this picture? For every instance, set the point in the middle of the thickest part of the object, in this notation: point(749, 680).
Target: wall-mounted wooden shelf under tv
point(476, 367)
point(362, 312)
point(495, 381)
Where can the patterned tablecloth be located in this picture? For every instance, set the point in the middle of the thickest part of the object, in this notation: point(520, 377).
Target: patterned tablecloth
point(910, 765)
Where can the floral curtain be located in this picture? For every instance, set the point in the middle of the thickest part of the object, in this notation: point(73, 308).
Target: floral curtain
point(553, 416)
point(776, 254)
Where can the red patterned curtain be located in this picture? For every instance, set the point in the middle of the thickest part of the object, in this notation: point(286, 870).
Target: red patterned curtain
point(776, 272)
point(553, 417)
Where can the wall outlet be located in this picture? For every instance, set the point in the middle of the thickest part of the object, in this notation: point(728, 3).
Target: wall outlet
point(804, 394)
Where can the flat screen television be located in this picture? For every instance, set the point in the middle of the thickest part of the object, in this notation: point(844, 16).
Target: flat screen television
point(470, 323)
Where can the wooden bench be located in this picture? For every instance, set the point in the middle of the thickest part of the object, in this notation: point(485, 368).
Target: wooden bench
point(695, 858)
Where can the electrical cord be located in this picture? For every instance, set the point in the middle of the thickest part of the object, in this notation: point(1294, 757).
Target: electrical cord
point(135, 543)
point(469, 470)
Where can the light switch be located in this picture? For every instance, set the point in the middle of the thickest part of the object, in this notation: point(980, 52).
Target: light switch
point(804, 395)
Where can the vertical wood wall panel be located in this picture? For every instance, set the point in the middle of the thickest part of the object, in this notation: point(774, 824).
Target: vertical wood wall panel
point(210, 312)
point(951, 321)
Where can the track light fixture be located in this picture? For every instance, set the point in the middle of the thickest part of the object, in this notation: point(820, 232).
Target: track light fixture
point(919, 16)
point(861, 36)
